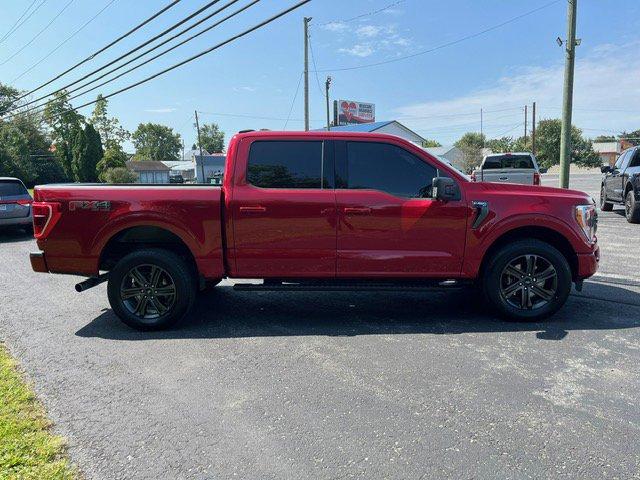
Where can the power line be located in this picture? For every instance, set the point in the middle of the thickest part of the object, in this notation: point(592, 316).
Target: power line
point(293, 102)
point(196, 56)
point(11, 29)
point(16, 26)
point(368, 14)
point(63, 42)
point(126, 54)
point(164, 52)
point(40, 32)
point(444, 45)
point(315, 69)
point(111, 44)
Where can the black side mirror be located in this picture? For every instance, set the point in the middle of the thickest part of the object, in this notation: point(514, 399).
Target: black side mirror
point(606, 169)
point(445, 189)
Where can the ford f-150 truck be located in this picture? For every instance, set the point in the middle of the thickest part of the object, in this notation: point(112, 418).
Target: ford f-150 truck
point(318, 211)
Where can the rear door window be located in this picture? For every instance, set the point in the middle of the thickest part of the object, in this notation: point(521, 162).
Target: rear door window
point(285, 164)
point(508, 161)
point(12, 188)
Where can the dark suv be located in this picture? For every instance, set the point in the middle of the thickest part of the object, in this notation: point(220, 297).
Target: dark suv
point(621, 185)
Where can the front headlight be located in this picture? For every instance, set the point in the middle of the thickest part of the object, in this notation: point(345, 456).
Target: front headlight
point(587, 218)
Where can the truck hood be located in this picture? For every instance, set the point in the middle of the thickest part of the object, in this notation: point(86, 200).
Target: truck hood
point(528, 190)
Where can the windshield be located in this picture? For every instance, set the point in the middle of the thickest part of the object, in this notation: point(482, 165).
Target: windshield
point(508, 161)
point(10, 188)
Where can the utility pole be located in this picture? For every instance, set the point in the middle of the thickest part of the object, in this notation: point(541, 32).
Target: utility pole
point(567, 97)
point(533, 129)
point(525, 123)
point(204, 180)
point(326, 94)
point(306, 73)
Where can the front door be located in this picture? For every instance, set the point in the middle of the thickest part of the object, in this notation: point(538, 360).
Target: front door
point(389, 226)
point(283, 210)
point(614, 180)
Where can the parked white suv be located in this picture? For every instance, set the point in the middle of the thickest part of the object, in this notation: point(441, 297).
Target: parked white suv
point(517, 167)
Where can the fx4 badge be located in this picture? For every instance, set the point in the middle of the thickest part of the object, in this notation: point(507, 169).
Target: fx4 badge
point(93, 205)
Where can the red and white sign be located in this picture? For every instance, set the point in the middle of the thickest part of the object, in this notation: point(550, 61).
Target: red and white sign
point(351, 112)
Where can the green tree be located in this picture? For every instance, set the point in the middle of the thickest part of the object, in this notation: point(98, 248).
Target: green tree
point(548, 145)
point(120, 175)
point(501, 145)
point(212, 138)
point(631, 137)
point(111, 132)
point(428, 143)
point(156, 142)
point(8, 97)
point(471, 145)
point(605, 138)
point(87, 152)
point(113, 157)
point(64, 123)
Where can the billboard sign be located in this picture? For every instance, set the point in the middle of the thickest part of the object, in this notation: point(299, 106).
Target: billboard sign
point(350, 112)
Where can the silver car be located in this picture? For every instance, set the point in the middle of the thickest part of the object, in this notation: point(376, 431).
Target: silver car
point(15, 204)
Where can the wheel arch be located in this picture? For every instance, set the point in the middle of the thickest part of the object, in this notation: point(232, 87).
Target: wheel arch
point(544, 234)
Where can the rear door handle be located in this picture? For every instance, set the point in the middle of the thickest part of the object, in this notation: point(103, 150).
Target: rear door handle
point(357, 210)
point(253, 209)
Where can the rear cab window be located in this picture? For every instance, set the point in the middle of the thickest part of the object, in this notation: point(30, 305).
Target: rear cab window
point(502, 162)
point(287, 164)
point(12, 188)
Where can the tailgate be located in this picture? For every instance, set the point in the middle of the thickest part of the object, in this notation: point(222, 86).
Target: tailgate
point(509, 175)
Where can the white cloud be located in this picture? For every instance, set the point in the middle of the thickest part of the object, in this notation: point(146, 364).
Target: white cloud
point(161, 110)
point(335, 26)
point(369, 31)
point(606, 98)
point(360, 50)
point(244, 88)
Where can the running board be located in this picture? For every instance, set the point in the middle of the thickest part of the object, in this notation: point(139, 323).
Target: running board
point(271, 286)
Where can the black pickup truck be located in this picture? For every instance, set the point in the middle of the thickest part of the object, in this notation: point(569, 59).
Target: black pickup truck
point(621, 185)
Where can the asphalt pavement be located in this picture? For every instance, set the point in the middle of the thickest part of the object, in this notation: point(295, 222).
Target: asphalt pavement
point(338, 385)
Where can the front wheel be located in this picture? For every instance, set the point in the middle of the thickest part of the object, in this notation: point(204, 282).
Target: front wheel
point(631, 208)
point(151, 289)
point(604, 205)
point(527, 280)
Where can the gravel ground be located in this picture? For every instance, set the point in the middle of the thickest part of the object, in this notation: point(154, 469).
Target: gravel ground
point(326, 385)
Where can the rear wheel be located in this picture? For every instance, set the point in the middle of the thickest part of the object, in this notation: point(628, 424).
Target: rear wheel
point(151, 289)
point(604, 205)
point(527, 280)
point(631, 208)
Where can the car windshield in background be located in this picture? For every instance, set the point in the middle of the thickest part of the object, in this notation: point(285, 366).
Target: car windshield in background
point(10, 188)
point(508, 161)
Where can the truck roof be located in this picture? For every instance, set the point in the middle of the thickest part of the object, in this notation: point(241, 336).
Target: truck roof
point(317, 134)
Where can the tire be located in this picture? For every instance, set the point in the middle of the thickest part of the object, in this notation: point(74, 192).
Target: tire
point(514, 294)
point(604, 205)
point(631, 208)
point(152, 271)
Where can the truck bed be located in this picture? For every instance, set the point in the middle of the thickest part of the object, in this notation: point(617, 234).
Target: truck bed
point(88, 216)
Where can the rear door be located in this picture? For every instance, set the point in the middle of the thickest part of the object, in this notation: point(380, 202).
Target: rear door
point(389, 226)
point(14, 199)
point(614, 180)
point(283, 209)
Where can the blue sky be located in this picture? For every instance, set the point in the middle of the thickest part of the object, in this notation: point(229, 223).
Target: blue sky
point(438, 94)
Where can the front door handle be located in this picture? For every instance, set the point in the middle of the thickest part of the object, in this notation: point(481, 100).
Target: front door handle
point(357, 210)
point(253, 209)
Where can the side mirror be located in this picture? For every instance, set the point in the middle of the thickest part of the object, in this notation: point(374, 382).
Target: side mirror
point(543, 169)
point(606, 169)
point(445, 189)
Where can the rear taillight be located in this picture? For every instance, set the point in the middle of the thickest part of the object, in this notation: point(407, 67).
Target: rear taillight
point(536, 178)
point(45, 216)
point(24, 202)
point(473, 177)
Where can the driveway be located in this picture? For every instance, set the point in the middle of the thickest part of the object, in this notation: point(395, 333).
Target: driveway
point(337, 385)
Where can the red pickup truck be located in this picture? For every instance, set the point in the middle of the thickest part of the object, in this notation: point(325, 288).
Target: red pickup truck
point(319, 211)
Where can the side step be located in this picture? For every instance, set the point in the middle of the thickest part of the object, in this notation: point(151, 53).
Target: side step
point(362, 286)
